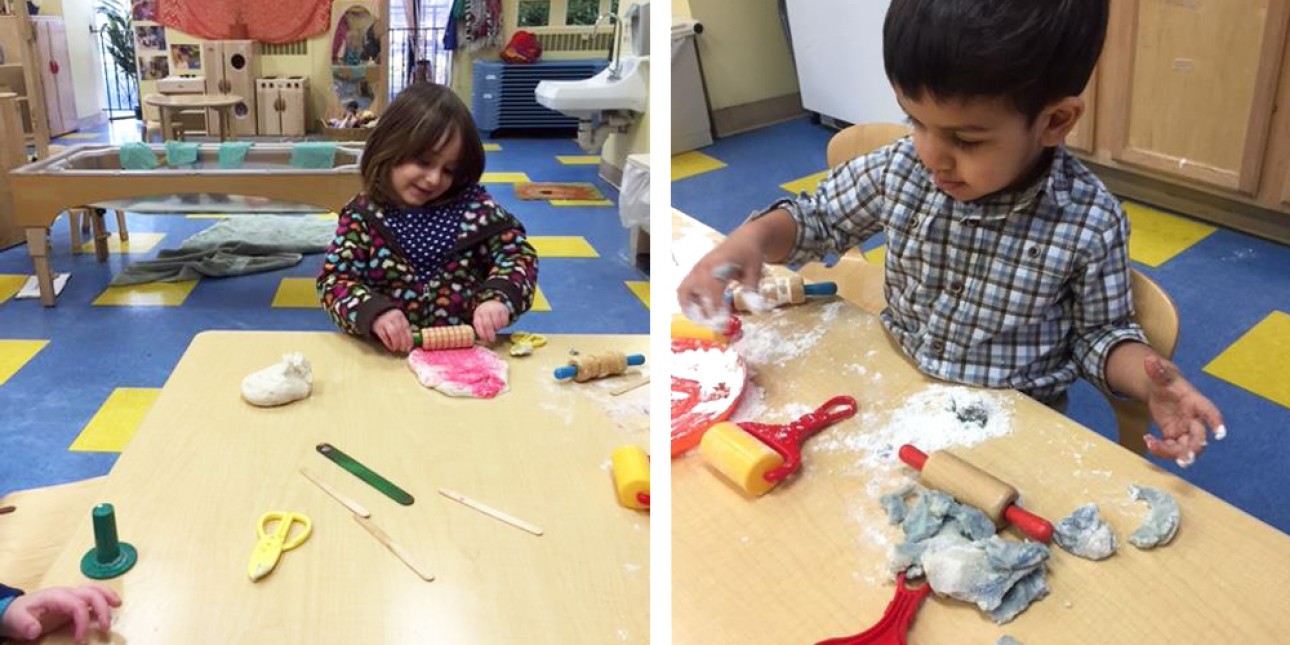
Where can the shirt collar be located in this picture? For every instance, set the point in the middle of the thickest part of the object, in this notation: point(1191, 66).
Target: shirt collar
point(1054, 183)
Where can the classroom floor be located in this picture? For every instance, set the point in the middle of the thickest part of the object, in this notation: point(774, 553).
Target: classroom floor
point(1232, 291)
point(76, 379)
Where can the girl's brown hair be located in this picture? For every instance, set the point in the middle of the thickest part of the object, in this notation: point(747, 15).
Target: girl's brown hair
point(421, 118)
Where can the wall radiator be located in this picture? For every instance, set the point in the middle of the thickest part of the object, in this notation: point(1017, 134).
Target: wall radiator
point(503, 93)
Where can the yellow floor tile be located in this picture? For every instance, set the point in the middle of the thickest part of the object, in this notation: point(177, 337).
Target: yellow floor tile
point(689, 164)
point(1260, 360)
point(10, 284)
point(492, 147)
point(806, 184)
point(504, 178)
point(582, 202)
point(153, 294)
point(578, 160)
point(15, 353)
point(563, 247)
point(208, 216)
point(1157, 236)
point(114, 425)
point(139, 243)
point(80, 135)
point(540, 303)
point(297, 293)
point(328, 216)
point(641, 290)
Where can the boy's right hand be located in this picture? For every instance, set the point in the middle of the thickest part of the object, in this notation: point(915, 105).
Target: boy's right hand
point(394, 331)
point(704, 289)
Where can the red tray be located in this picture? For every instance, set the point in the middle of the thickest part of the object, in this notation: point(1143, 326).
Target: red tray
point(688, 425)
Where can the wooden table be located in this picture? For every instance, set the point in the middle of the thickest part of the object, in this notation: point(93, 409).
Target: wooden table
point(204, 466)
point(169, 104)
point(806, 561)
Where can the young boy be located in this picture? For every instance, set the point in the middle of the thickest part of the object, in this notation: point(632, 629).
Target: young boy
point(1007, 260)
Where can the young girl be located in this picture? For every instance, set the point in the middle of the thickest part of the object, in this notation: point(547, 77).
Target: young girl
point(423, 245)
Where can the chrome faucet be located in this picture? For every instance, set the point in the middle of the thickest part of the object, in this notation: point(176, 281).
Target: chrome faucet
point(615, 47)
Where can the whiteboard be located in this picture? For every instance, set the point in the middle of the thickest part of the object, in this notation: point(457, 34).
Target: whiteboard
point(838, 49)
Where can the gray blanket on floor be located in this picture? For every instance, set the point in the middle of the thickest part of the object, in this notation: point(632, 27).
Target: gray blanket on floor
point(238, 245)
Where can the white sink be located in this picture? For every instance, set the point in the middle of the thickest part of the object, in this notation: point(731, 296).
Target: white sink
point(586, 98)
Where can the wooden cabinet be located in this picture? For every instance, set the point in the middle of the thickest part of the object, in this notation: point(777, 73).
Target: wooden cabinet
point(56, 74)
point(282, 105)
point(230, 67)
point(1185, 110)
point(20, 74)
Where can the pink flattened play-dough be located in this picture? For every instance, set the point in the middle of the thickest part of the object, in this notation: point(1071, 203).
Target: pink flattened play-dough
point(475, 372)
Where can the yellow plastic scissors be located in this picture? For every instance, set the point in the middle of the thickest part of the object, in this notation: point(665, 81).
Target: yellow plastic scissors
point(268, 550)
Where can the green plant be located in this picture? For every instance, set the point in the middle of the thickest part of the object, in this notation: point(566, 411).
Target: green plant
point(120, 36)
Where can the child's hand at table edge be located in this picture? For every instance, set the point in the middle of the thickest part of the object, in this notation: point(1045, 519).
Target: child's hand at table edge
point(33, 615)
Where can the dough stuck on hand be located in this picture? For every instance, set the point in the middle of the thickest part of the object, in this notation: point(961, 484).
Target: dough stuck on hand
point(280, 383)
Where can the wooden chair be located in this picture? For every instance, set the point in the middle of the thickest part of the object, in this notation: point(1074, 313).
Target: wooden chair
point(39, 528)
point(1158, 315)
point(859, 280)
point(151, 120)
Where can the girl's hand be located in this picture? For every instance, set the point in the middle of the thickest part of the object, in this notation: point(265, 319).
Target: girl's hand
point(44, 611)
point(703, 291)
point(394, 331)
point(1181, 412)
point(489, 317)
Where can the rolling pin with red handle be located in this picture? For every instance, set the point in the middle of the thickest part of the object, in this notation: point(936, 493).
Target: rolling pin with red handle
point(975, 487)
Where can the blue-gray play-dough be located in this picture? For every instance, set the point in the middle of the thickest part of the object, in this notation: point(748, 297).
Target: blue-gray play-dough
point(1162, 520)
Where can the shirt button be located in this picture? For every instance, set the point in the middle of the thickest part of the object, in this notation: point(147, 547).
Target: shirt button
point(956, 287)
point(1033, 252)
point(972, 223)
point(938, 346)
point(913, 222)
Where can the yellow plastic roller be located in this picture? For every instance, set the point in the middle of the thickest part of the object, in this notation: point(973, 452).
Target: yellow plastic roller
point(631, 477)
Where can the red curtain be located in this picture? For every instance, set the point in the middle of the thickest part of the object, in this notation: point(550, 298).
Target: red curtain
point(268, 21)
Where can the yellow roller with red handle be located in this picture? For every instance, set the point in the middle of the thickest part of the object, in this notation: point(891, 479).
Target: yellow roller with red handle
point(683, 327)
point(631, 477)
point(756, 457)
point(975, 487)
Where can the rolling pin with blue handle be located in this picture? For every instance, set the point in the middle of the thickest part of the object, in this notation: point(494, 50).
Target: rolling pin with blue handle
point(586, 368)
point(780, 291)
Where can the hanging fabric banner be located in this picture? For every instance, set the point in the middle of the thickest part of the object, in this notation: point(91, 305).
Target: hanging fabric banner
point(275, 22)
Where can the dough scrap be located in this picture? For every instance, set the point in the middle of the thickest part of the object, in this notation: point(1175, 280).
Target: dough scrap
point(1162, 520)
point(473, 372)
point(1084, 533)
point(279, 384)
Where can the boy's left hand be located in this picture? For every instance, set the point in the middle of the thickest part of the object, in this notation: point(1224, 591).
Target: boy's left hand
point(1181, 412)
point(489, 317)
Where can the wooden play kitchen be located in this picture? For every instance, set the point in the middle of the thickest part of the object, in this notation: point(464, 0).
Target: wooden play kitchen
point(804, 562)
point(204, 467)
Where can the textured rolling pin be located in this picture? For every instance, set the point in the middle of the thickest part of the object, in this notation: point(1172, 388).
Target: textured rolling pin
point(973, 486)
point(631, 477)
point(780, 291)
point(757, 456)
point(435, 338)
point(593, 366)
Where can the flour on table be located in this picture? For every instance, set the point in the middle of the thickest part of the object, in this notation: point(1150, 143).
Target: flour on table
point(765, 342)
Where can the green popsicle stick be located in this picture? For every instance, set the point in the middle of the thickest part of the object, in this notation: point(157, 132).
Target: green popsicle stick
point(366, 474)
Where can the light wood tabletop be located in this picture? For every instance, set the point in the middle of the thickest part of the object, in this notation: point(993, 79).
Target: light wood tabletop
point(204, 466)
point(806, 562)
point(223, 105)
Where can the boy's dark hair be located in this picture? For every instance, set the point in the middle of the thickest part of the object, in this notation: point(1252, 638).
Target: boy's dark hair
point(1030, 52)
point(421, 118)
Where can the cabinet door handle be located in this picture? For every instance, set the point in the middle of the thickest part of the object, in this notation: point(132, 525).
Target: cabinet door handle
point(53, 67)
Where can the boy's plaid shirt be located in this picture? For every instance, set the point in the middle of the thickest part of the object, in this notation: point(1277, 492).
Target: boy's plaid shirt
point(1025, 290)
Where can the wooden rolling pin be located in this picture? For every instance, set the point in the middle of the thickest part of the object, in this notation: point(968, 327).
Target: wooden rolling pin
point(758, 456)
point(780, 291)
point(973, 486)
point(587, 367)
point(435, 338)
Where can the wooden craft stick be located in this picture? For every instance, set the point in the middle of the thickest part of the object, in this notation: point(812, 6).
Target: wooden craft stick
point(491, 512)
point(5, 510)
point(352, 505)
point(398, 551)
point(630, 386)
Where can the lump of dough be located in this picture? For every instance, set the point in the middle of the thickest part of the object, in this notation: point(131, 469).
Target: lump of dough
point(1007, 640)
point(280, 383)
point(1084, 533)
point(1162, 520)
point(472, 372)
